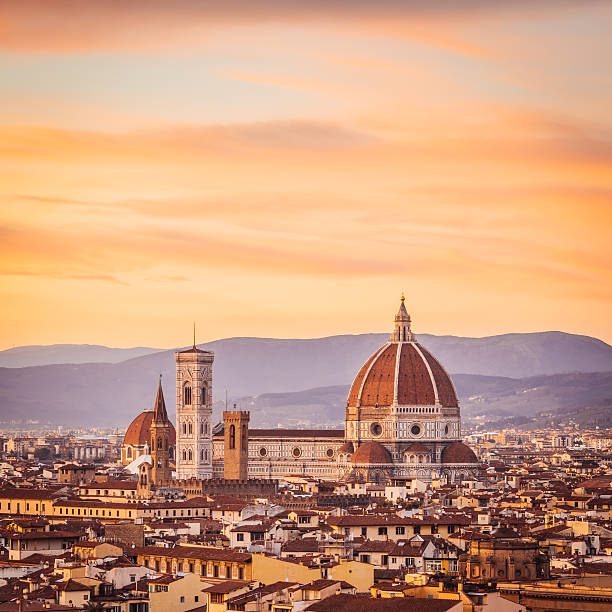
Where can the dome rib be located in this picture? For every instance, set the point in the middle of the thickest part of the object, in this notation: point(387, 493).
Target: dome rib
point(378, 386)
point(356, 390)
point(446, 388)
point(431, 376)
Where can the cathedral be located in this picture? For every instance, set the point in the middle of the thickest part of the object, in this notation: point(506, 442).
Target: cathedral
point(402, 423)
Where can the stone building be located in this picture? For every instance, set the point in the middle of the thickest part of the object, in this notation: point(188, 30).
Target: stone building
point(504, 555)
point(402, 423)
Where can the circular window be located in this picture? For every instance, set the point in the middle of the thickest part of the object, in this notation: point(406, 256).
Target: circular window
point(415, 430)
point(376, 429)
point(446, 430)
point(329, 452)
point(297, 452)
point(263, 451)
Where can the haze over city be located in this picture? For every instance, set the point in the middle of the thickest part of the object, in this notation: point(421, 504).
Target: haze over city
point(287, 169)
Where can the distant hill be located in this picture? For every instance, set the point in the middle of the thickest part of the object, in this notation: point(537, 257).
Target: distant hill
point(34, 355)
point(113, 393)
point(498, 397)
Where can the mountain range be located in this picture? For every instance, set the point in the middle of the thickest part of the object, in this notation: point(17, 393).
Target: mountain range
point(298, 381)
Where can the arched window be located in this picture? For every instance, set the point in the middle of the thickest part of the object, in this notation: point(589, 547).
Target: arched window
point(190, 455)
point(232, 436)
point(190, 428)
point(184, 455)
point(160, 443)
point(187, 395)
point(205, 455)
point(204, 395)
point(244, 437)
point(201, 428)
point(128, 454)
point(202, 455)
point(184, 428)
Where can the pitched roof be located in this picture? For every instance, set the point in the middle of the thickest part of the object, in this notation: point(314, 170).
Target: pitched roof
point(350, 603)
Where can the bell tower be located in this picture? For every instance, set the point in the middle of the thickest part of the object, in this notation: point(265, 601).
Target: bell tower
point(236, 444)
point(194, 413)
point(160, 441)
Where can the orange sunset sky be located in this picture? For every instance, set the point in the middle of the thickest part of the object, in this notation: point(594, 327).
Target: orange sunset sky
point(286, 168)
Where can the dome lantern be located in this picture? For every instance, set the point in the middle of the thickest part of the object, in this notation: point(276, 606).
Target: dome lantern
point(402, 332)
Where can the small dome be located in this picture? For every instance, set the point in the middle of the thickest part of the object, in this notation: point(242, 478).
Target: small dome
point(458, 452)
point(139, 431)
point(347, 448)
point(371, 452)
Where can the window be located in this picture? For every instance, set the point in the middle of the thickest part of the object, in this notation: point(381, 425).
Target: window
point(184, 428)
point(203, 395)
point(232, 436)
point(400, 530)
point(240, 537)
point(190, 454)
point(182, 599)
point(417, 529)
point(364, 531)
point(384, 560)
point(382, 531)
point(187, 395)
point(196, 598)
point(190, 428)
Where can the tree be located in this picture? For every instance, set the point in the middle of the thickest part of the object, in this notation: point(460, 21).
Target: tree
point(94, 606)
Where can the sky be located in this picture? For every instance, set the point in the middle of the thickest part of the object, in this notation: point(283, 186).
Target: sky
point(287, 168)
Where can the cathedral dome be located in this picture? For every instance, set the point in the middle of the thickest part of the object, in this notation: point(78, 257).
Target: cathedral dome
point(458, 452)
point(402, 372)
point(371, 452)
point(139, 431)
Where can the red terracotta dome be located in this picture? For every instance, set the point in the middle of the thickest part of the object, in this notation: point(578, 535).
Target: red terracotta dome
point(347, 448)
point(139, 431)
point(458, 452)
point(402, 371)
point(371, 452)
